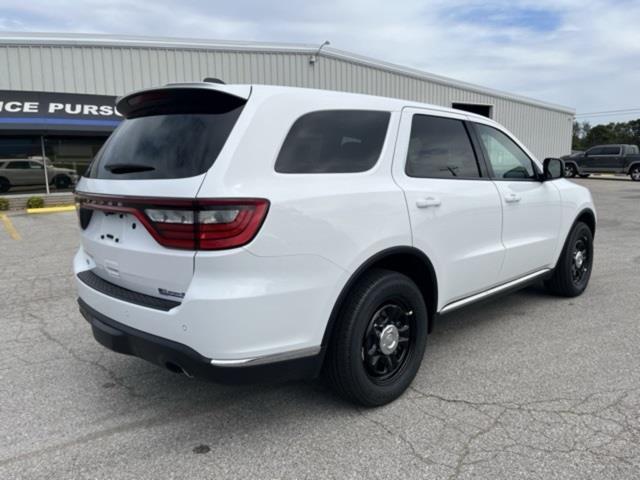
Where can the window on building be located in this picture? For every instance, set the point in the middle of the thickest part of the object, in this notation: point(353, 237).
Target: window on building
point(73, 152)
point(22, 166)
point(19, 146)
point(440, 148)
point(334, 141)
point(484, 110)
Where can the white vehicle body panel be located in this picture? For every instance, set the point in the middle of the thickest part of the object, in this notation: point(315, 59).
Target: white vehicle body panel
point(459, 227)
point(276, 294)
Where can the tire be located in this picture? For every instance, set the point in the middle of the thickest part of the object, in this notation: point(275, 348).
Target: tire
point(380, 302)
point(570, 170)
point(5, 185)
point(62, 181)
point(584, 175)
point(572, 273)
point(634, 173)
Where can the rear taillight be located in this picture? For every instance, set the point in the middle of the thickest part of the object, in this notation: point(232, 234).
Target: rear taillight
point(207, 224)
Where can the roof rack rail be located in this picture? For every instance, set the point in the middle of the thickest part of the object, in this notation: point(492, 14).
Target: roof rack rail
point(213, 80)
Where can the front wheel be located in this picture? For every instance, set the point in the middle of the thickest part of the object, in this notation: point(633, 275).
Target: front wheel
point(378, 344)
point(635, 174)
point(573, 271)
point(570, 170)
point(62, 182)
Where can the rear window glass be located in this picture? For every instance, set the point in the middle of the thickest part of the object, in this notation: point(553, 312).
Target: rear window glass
point(334, 141)
point(164, 146)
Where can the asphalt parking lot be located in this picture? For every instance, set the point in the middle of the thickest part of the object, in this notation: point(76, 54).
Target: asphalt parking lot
point(526, 386)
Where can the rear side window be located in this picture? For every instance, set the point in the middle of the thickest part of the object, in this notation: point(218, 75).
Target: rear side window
point(440, 148)
point(334, 141)
point(610, 151)
point(178, 136)
point(18, 165)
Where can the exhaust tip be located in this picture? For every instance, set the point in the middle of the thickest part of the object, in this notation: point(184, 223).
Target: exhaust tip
point(176, 368)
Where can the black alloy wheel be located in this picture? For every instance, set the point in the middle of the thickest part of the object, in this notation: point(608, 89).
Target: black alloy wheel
point(379, 339)
point(580, 260)
point(573, 270)
point(387, 341)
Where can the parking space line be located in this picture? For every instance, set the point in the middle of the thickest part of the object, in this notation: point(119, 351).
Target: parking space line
point(8, 226)
point(64, 208)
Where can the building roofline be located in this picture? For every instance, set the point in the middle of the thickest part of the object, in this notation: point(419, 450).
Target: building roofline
point(94, 39)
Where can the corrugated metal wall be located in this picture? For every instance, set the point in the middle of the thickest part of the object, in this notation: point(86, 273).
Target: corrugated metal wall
point(116, 70)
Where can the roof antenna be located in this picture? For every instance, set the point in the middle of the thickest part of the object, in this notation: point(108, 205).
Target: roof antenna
point(314, 58)
point(213, 80)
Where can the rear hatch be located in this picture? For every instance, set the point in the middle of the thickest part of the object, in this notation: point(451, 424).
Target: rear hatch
point(137, 202)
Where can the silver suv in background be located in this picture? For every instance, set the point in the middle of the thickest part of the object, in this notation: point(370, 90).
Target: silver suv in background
point(20, 172)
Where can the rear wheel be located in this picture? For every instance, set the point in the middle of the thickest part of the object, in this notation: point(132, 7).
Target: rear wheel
point(379, 341)
point(4, 185)
point(570, 170)
point(634, 173)
point(573, 271)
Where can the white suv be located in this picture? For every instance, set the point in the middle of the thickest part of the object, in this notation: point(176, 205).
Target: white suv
point(255, 233)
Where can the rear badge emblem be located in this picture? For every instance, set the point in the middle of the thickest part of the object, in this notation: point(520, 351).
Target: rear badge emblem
point(169, 293)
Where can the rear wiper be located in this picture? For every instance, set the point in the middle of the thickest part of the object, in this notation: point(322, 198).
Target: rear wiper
point(121, 168)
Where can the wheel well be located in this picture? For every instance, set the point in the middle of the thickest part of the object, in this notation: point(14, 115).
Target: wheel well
point(637, 164)
point(406, 260)
point(572, 163)
point(587, 217)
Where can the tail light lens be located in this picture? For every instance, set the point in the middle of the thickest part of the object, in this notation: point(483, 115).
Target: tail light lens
point(207, 224)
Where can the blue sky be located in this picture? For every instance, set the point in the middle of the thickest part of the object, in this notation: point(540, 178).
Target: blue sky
point(580, 53)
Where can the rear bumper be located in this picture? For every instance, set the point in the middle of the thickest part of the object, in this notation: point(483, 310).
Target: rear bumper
point(176, 356)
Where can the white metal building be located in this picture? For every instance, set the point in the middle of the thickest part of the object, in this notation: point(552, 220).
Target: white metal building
point(109, 65)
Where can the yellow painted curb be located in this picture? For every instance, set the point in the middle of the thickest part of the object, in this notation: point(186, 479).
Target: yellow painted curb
point(64, 208)
point(8, 226)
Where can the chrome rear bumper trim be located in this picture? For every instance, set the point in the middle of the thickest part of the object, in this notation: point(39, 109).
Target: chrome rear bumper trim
point(276, 357)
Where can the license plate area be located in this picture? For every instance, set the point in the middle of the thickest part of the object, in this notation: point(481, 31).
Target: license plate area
point(112, 228)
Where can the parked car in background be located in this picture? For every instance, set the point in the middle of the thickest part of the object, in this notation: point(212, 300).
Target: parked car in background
point(20, 172)
point(254, 233)
point(618, 159)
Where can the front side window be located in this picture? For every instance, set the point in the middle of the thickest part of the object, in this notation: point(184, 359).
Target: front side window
point(334, 141)
point(440, 148)
point(595, 151)
point(507, 159)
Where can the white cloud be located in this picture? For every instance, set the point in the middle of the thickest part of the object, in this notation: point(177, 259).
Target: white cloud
point(578, 53)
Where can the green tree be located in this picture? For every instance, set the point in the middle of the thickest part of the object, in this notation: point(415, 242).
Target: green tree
point(585, 136)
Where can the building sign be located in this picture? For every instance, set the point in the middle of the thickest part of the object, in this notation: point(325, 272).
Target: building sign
point(44, 111)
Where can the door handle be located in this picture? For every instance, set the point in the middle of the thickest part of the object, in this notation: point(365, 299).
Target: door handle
point(512, 198)
point(428, 202)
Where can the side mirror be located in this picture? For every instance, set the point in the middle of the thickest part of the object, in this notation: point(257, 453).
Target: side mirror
point(553, 168)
